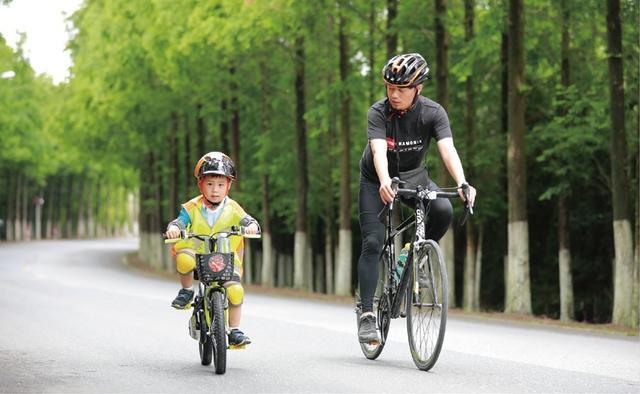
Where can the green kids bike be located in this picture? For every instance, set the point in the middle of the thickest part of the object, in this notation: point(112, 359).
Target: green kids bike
point(208, 322)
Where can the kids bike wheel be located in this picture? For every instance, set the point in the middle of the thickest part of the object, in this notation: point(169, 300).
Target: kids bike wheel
point(381, 309)
point(218, 332)
point(426, 306)
point(205, 344)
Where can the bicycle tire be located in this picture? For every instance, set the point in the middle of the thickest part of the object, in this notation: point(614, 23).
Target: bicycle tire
point(205, 344)
point(218, 332)
point(382, 310)
point(426, 306)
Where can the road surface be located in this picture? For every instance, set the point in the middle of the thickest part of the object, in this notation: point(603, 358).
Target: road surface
point(75, 318)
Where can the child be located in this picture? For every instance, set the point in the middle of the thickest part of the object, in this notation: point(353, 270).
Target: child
point(210, 212)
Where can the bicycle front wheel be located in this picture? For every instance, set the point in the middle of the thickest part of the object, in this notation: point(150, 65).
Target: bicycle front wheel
point(205, 344)
point(218, 332)
point(426, 305)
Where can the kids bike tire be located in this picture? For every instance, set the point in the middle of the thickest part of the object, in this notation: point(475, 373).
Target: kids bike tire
point(218, 332)
point(205, 344)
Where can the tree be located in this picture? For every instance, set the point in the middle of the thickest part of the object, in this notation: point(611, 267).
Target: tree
point(300, 262)
point(471, 283)
point(442, 97)
point(517, 287)
point(564, 248)
point(623, 303)
point(344, 263)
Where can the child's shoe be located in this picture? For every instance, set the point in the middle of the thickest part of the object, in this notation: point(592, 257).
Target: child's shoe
point(237, 338)
point(183, 299)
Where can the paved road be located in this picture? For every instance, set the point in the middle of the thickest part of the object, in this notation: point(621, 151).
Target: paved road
point(74, 318)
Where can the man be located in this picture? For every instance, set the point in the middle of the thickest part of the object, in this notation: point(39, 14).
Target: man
point(400, 129)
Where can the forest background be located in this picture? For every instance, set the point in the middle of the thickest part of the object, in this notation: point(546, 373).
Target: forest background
point(542, 97)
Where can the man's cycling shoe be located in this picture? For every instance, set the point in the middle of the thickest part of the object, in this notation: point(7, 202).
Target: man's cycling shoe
point(183, 299)
point(367, 332)
point(237, 338)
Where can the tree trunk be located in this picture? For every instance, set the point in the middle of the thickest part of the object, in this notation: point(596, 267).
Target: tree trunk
point(174, 178)
point(622, 234)
point(301, 264)
point(235, 128)
point(267, 275)
point(392, 34)
point(91, 210)
point(224, 127)
point(17, 223)
point(201, 132)
point(564, 263)
point(478, 270)
point(469, 284)
point(518, 283)
point(564, 247)
point(343, 283)
point(470, 303)
point(26, 203)
point(373, 75)
point(81, 230)
point(10, 217)
point(442, 97)
point(49, 201)
point(189, 163)
point(71, 187)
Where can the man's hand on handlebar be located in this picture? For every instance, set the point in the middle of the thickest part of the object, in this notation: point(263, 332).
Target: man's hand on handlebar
point(387, 191)
point(468, 195)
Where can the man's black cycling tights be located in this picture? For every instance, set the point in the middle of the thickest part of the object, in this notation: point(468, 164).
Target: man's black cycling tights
point(372, 230)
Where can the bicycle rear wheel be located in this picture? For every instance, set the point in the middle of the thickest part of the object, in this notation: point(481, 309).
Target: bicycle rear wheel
point(218, 332)
point(381, 309)
point(426, 305)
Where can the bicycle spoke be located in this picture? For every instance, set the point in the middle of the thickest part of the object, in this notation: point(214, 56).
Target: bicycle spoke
point(426, 317)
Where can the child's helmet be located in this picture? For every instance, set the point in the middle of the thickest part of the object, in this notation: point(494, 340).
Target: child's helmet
point(405, 70)
point(215, 163)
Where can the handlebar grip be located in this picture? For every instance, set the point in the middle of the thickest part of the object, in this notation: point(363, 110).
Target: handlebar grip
point(448, 194)
point(172, 240)
point(254, 236)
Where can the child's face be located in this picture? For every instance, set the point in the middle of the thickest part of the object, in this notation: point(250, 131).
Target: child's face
point(215, 188)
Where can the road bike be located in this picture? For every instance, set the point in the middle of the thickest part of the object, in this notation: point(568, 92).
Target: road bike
point(208, 322)
point(420, 293)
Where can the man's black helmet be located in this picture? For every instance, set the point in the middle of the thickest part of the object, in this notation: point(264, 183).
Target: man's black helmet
point(215, 163)
point(405, 70)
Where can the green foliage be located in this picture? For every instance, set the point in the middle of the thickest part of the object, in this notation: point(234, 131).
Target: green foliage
point(140, 65)
point(572, 143)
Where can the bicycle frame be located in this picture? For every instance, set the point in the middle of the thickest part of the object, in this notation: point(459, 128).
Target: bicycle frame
point(395, 291)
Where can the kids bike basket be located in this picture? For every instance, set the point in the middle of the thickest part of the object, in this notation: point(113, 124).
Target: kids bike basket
point(215, 267)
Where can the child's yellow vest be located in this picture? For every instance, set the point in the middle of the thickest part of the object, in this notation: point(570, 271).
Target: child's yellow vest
point(231, 215)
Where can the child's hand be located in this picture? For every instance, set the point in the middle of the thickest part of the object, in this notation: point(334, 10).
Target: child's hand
point(173, 232)
point(252, 229)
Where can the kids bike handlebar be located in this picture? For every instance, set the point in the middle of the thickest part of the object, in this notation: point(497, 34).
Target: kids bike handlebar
point(233, 231)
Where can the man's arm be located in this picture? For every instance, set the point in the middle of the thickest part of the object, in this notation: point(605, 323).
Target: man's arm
point(379, 150)
point(451, 160)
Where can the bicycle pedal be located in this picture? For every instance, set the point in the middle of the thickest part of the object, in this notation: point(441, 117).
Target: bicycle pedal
point(182, 309)
point(237, 347)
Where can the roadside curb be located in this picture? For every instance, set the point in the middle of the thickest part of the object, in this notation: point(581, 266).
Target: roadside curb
point(133, 260)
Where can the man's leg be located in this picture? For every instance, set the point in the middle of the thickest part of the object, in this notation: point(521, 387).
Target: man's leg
point(372, 231)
